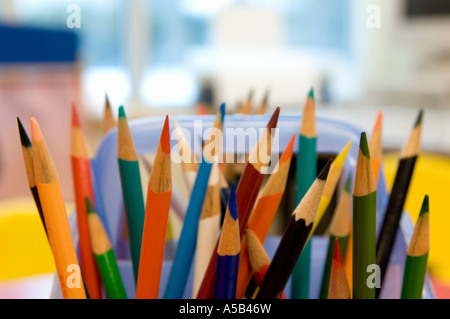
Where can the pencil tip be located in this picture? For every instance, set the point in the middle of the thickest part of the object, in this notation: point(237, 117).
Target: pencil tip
point(324, 173)
point(75, 118)
point(222, 112)
point(419, 118)
point(89, 206)
point(122, 112)
point(165, 137)
point(36, 133)
point(274, 119)
point(24, 139)
point(337, 255)
point(364, 145)
point(232, 204)
point(287, 154)
point(311, 93)
point(425, 206)
point(379, 121)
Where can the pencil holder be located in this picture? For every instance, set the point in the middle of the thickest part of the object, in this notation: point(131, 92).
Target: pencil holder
point(332, 137)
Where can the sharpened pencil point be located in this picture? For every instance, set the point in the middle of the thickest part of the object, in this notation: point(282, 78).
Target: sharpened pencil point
point(36, 133)
point(288, 152)
point(419, 118)
point(222, 112)
point(274, 119)
point(232, 204)
point(165, 137)
point(324, 173)
point(337, 256)
point(24, 139)
point(311, 93)
point(89, 206)
point(364, 146)
point(75, 118)
point(122, 112)
point(425, 206)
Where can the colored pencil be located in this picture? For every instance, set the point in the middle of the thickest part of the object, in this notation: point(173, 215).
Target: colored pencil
point(187, 241)
point(82, 179)
point(339, 287)
point(293, 240)
point(263, 213)
point(364, 222)
point(262, 109)
point(258, 258)
point(417, 255)
point(339, 229)
point(333, 178)
point(376, 151)
point(133, 196)
point(55, 215)
point(228, 252)
point(27, 152)
point(394, 209)
point(208, 228)
point(376, 146)
point(109, 120)
point(188, 164)
point(104, 256)
point(306, 173)
point(246, 193)
point(155, 224)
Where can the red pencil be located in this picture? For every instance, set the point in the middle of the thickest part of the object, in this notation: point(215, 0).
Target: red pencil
point(82, 178)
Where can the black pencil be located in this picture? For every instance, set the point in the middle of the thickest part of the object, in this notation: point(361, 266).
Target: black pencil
point(293, 240)
point(393, 213)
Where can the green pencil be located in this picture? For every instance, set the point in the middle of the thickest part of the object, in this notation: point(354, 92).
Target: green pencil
point(130, 178)
point(339, 229)
point(305, 175)
point(417, 256)
point(364, 223)
point(104, 256)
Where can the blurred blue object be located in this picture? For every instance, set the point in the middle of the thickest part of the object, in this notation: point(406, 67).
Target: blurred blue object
point(32, 45)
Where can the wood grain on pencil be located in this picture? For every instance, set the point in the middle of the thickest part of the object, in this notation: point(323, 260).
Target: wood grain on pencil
point(56, 220)
point(155, 224)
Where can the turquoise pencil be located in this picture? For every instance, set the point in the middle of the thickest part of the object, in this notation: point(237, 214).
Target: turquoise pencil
point(305, 175)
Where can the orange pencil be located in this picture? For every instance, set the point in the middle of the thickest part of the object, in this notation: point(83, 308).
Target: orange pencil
point(263, 213)
point(339, 287)
point(259, 260)
point(155, 223)
point(82, 179)
point(55, 215)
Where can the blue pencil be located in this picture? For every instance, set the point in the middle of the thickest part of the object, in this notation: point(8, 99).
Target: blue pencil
point(228, 252)
point(188, 238)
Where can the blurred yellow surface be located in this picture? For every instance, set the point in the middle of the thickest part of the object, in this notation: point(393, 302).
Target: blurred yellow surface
point(24, 249)
point(431, 176)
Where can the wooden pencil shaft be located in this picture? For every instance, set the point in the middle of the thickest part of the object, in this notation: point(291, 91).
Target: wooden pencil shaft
point(364, 219)
point(328, 263)
point(134, 207)
point(414, 277)
point(283, 262)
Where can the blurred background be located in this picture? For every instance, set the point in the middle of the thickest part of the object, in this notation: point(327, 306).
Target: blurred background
point(167, 56)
